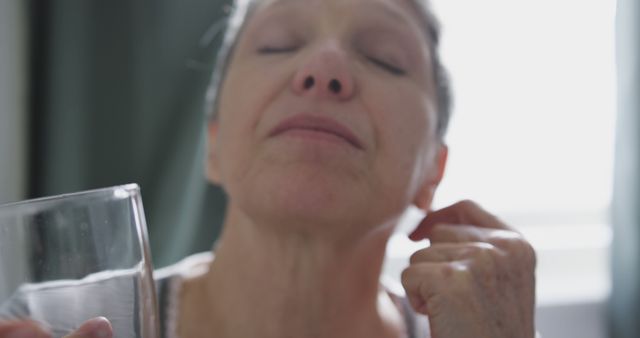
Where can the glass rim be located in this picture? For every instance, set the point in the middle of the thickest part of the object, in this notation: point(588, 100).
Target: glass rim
point(128, 188)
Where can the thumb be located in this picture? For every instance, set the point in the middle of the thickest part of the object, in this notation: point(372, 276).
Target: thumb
point(98, 327)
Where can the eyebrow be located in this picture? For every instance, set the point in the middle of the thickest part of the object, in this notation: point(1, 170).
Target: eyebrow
point(403, 21)
point(390, 11)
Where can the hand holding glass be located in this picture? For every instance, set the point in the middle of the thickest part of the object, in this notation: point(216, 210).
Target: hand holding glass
point(69, 258)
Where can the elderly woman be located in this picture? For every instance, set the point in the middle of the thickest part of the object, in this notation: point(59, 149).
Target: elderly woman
point(327, 122)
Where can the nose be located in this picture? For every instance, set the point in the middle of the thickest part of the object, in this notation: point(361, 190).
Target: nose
point(325, 74)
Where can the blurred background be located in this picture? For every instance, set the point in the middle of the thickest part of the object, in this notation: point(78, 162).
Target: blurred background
point(545, 131)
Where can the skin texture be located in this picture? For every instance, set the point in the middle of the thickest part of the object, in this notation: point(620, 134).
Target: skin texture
point(307, 204)
point(475, 279)
point(98, 327)
point(310, 213)
point(393, 116)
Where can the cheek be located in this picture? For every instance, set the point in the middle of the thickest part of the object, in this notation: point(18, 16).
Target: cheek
point(237, 119)
point(405, 123)
point(243, 104)
point(405, 126)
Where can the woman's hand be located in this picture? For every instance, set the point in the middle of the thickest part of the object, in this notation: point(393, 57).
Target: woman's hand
point(94, 328)
point(477, 277)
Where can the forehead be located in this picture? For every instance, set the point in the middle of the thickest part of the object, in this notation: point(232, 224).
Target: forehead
point(401, 11)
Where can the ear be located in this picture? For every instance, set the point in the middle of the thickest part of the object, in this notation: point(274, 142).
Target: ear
point(212, 165)
point(424, 197)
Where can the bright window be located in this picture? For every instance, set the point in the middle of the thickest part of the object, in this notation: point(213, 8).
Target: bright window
point(534, 82)
point(532, 133)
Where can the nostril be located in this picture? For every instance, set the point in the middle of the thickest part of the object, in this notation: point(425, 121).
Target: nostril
point(335, 86)
point(308, 82)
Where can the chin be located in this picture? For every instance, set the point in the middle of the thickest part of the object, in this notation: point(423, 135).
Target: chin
point(305, 193)
point(304, 196)
point(312, 192)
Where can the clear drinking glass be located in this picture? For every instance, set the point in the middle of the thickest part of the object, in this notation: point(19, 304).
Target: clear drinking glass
point(68, 258)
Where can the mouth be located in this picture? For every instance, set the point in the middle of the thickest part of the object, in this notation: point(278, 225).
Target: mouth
point(317, 125)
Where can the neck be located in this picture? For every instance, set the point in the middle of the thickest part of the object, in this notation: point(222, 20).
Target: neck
point(287, 284)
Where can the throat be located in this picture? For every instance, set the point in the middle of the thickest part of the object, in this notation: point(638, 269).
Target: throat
point(301, 312)
point(266, 282)
point(273, 288)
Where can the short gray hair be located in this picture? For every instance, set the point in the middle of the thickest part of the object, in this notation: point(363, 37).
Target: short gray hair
point(242, 10)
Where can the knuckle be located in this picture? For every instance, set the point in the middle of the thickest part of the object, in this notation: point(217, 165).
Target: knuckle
point(507, 240)
point(483, 247)
point(498, 256)
point(480, 250)
point(517, 248)
point(529, 254)
point(416, 256)
point(456, 270)
point(488, 252)
point(488, 264)
point(486, 258)
point(405, 276)
point(447, 270)
point(467, 279)
point(467, 204)
point(521, 245)
point(437, 303)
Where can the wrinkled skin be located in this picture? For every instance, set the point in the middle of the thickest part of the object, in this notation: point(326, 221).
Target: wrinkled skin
point(476, 279)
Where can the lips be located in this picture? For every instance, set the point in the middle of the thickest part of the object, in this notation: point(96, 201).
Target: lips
point(317, 124)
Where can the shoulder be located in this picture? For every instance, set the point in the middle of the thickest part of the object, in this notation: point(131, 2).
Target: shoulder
point(169, 281)
point(190, 266)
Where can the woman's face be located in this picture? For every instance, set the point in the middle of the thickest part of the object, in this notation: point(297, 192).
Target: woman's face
point(327, 114)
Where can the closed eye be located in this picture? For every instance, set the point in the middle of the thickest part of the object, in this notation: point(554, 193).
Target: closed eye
point(386, 66)
point(276, 50)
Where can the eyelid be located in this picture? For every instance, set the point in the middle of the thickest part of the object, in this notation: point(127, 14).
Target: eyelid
point(277, 37)
point(276, 50)
point(395, 70)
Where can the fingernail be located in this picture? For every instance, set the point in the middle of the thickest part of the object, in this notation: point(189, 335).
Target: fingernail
point(98, 327)
point(23, 332)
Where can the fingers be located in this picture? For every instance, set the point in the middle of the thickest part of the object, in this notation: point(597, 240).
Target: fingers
point(94, 328)
point(464, 212)
point(508, 242)
point(448, 233)
point(427, 284)
point(23, 329)
point(98, 327)
point(445, 269)
point(476, 275)
point(449, 252)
